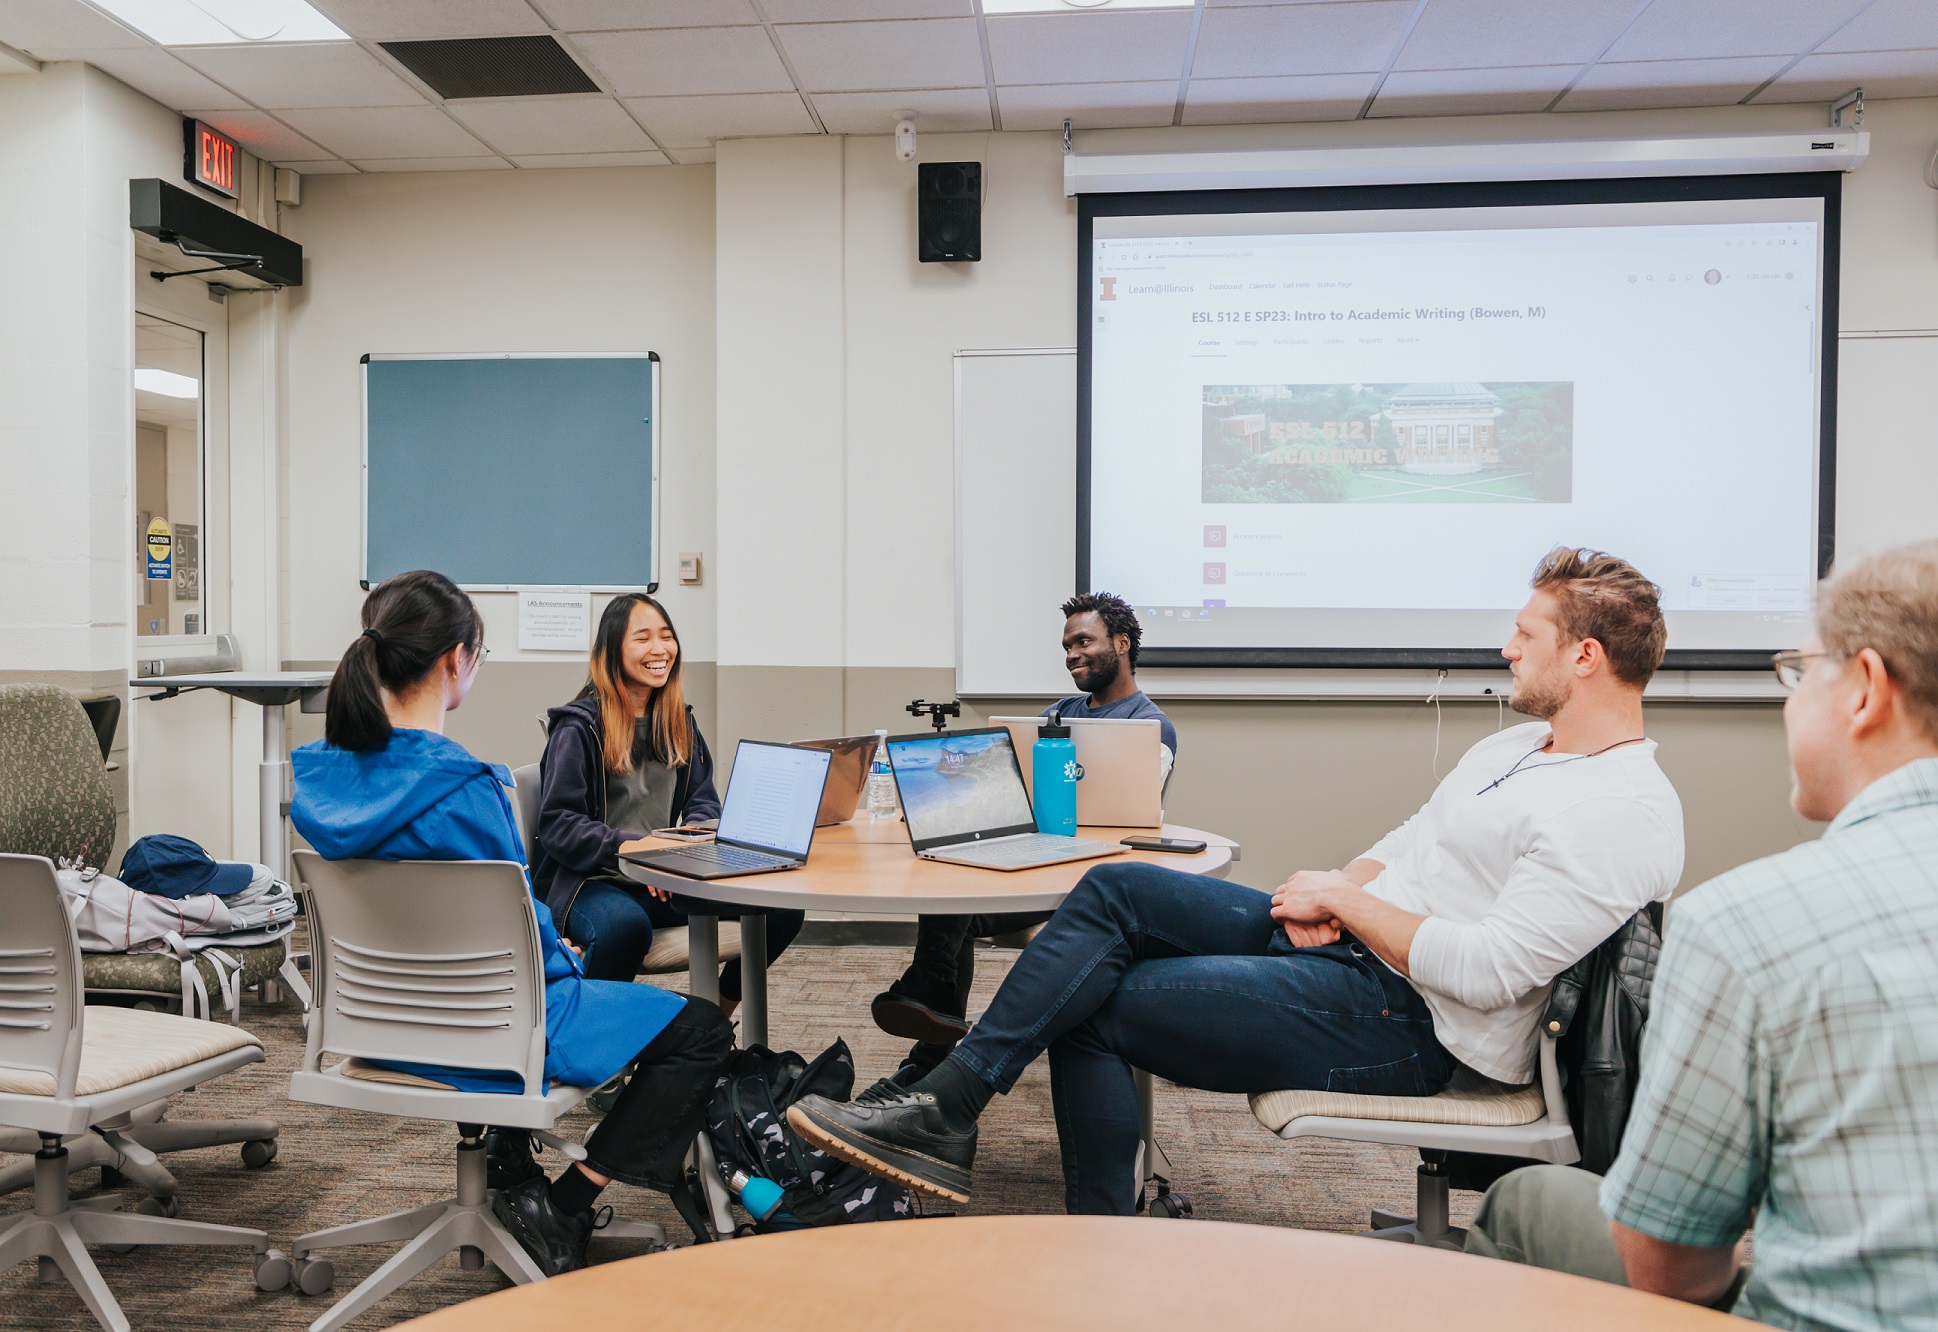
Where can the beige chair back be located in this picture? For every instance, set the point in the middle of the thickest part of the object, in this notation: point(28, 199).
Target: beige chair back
point(54, 794)
point(40, 975)
point(425, 961)
point(524, 803)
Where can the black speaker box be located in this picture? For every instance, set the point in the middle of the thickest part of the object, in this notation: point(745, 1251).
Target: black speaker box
point(948, 212)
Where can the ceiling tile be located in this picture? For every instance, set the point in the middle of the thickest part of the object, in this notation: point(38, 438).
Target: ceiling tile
point(394, 131)
point(1089, 48)
point(691, 156)
point(542, 125)
point(427, 20)
point(1823, 78)
point(1088, 105)
point(1715, 29)
point(62, 29)
point(695, 122)
point(278, 77)
point(544, 160)
point(671, 61)
point(1279, 40)
point(433, 164)
point(1251, 101)
point(1660, 83)
point(614, 15)
point(836, 11)
point(157, 73)
point(1469, 34)
point(262, 134)
point(1471, 92)
point(877, 112)
point(1888, 25)
point(328, 166)
point(905, 53)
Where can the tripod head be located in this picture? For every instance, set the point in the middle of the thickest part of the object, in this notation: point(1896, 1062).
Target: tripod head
point(937, 713)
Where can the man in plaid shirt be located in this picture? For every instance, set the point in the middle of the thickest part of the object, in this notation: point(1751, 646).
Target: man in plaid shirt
point(1790, 1071)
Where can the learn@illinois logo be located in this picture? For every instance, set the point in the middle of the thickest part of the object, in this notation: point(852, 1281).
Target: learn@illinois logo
point(1110, 289)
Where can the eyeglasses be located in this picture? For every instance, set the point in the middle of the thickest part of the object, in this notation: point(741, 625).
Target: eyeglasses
point(1789, 666)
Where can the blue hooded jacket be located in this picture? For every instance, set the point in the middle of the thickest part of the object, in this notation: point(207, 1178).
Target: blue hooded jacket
point(425, 797)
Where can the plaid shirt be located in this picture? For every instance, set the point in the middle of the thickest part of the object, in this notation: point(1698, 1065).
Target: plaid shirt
point(1791, 1070)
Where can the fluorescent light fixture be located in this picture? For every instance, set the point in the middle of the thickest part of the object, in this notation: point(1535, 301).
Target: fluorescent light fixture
point(223, 22)
point(168, 383)
point(1075, 6)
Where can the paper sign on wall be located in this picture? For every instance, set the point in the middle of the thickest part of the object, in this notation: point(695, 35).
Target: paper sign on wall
point(555, 621)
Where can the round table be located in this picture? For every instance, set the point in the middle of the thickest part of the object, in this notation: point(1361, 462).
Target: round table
point(975, 1274)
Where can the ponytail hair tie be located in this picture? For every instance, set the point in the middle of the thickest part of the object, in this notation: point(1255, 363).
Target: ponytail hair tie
point(374, 637)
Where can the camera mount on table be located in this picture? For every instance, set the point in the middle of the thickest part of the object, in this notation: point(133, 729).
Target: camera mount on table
point(937, 713)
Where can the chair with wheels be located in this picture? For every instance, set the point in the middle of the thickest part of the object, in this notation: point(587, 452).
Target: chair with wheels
point(68, 1071)
point(55, 802)
point(428, 962)
point(1473, 1114)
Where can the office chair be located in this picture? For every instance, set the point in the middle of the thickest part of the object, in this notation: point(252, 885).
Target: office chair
point(668, 953)
point(1473, 1114)
point(55, 802)
point(69, 1071)
point(428, 962)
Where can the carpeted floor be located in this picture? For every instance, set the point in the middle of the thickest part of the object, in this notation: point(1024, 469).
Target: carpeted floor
point(337, 1166)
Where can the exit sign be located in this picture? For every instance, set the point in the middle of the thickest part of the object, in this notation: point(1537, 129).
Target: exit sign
point(211, 158)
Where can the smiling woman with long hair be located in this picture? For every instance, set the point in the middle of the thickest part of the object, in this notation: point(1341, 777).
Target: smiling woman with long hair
point(621, 759)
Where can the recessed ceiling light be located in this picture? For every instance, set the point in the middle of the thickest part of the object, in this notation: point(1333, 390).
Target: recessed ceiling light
point(167, 383)
point(1075, 6)
point(223, 22)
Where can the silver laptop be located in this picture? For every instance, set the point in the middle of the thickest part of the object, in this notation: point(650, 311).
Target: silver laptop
point(847, 776)
point(964, 803)
point(1123, 772)
point(766, 822)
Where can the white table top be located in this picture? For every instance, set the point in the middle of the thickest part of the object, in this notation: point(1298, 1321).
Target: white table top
point(226, 680)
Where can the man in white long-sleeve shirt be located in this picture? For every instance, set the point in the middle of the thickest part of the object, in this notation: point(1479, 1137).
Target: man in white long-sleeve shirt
point(1433, 950)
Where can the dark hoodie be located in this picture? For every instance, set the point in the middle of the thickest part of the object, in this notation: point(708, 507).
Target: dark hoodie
point(573, 842)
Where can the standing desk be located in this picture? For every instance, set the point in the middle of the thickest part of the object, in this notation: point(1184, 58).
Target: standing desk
point(273, 692)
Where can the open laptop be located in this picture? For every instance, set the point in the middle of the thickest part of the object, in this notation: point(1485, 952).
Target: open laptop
point(766, 822)
point(847, 776)
point(964, 803)
point(1123, 783)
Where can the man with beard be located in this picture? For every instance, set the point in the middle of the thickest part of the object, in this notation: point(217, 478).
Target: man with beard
point(927, 1005)
point(1434, 949)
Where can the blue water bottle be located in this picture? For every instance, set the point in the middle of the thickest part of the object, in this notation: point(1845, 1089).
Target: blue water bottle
point(1054, 774)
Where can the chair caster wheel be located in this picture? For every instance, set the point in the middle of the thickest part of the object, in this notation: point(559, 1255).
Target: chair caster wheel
point(119, 1248)
point(158, 1206)
point(1174, 1206)
point(272, 1269)
point(258, 1153)
point(312, 1276)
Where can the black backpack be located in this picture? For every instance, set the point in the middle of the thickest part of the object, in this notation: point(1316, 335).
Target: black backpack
point(747, 1124)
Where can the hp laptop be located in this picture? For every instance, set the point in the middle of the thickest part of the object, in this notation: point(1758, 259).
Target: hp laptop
point(767, 821)
point(847, 776)
point(963, 799)
point(1123, 784)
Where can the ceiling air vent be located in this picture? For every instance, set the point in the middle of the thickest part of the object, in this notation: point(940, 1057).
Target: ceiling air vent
point(493, 66)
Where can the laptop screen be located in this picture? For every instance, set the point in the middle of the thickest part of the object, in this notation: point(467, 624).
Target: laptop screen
point(773, 796)
point(956, 786)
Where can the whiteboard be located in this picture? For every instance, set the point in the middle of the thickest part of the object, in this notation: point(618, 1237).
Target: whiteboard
point(509, 470)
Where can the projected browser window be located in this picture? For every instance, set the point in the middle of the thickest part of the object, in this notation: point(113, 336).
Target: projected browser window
point(1362, 429)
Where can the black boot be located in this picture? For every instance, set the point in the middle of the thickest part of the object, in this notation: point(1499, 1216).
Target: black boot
point(556, 1242)
point(895, 1133)
point(925, 1004)
point(508, 1158)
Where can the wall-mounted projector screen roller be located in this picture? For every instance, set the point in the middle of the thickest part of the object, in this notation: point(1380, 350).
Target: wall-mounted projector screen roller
point(1338, 427)
point(513, 470)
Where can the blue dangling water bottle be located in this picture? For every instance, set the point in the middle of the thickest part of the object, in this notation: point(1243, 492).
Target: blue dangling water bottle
point(1054, 774)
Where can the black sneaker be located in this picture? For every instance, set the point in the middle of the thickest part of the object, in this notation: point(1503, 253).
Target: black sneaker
point(892, 1132)
point(601, 1101)
point(556, 1242)
point(919, 1015)
point(508, 1158)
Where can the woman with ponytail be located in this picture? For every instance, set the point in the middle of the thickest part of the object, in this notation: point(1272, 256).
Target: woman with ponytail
point(386, 784)
point(621, 759)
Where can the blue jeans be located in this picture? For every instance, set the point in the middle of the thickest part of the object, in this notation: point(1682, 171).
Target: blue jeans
point(1189, 978)
point(614, 924)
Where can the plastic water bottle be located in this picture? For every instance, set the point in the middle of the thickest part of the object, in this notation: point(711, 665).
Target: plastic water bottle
point(759, 1195)
point(1054, 774)
point(883, 802)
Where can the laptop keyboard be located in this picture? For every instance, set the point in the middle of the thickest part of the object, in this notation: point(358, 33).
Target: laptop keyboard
point(1028, 850)
point(729, 857)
